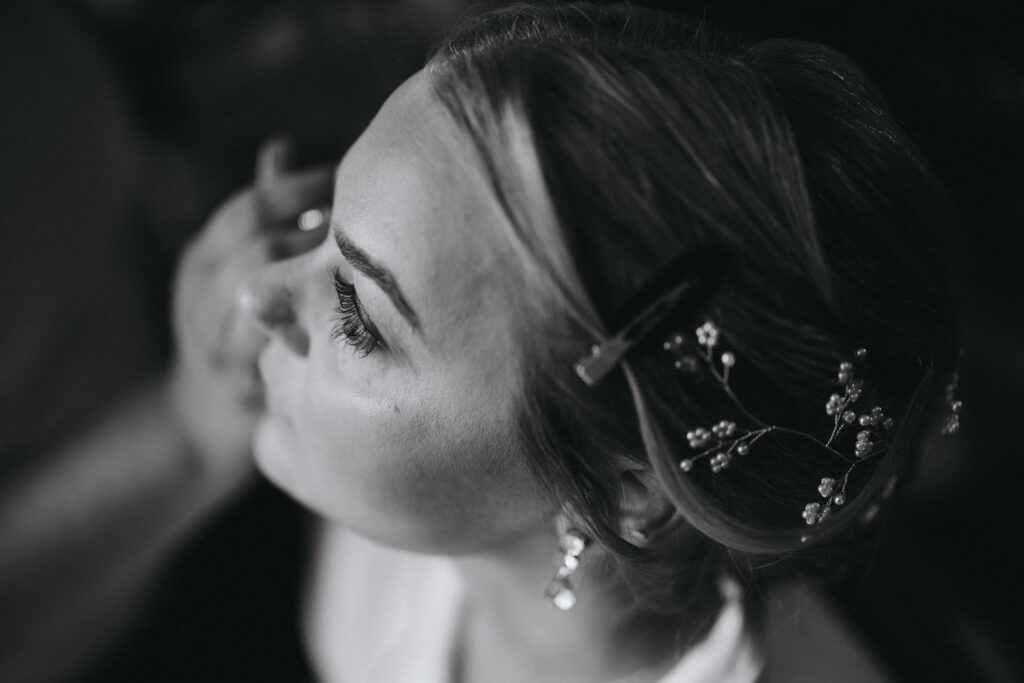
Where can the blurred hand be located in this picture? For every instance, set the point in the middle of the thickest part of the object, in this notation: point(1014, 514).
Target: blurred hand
point(215, 388)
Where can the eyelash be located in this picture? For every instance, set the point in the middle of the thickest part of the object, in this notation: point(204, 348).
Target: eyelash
point(352, 327)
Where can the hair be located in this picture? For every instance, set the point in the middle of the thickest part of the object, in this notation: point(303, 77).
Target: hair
point(617, 139)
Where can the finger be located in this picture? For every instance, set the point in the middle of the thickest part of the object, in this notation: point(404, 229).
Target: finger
point(238, 217)
point(247, 386)
point(285, 245)
point(238, 337)
point(275, 156)
point(241, 341)
point(215, 317)
point(284, 196)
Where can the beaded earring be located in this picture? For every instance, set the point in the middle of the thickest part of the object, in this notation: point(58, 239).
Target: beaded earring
point(571, 544)
point(951, 420)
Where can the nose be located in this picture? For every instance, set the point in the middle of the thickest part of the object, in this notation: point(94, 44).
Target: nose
point(270, 297)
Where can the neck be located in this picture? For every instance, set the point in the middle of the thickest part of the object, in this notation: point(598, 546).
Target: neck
point(511, 625)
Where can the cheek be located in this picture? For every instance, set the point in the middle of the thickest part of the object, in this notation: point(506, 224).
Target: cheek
point(434, 468)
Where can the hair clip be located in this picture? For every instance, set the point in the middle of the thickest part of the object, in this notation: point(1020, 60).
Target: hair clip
point(605, 356)
point(720, 442)
point(679, 288)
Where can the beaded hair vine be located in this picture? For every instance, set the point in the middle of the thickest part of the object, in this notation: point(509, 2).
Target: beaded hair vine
point(721, 441)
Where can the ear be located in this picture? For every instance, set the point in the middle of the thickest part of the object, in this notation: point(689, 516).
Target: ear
point(643, 507)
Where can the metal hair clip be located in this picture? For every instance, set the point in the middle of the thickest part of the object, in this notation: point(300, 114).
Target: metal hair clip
point(681, 286)
point(603, 357)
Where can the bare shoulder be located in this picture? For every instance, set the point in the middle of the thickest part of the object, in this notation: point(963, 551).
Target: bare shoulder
point(807, 639)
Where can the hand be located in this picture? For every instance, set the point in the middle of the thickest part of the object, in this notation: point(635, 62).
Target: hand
point(215, 389)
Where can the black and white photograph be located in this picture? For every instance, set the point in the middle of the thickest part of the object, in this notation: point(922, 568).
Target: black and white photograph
point(483, 341)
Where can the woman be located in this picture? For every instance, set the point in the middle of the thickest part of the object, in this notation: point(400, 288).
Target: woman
point(603, 286)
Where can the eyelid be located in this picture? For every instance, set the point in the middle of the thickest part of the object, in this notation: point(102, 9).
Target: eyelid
point(354, 325)
point(380, 275)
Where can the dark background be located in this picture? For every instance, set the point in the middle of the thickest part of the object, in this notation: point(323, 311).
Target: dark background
point(124, 122)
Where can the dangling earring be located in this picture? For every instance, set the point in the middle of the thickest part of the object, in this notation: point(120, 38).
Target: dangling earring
point(571, 544)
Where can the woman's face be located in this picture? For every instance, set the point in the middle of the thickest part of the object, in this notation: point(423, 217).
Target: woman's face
point(392, 374)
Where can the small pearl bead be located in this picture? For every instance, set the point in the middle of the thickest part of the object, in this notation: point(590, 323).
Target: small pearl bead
point(573, 544)
point(564, 599)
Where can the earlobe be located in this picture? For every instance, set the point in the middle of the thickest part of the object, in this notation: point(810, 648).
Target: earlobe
point(643, 507)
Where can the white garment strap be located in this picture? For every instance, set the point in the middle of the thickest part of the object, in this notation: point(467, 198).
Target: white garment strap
point(729, 653)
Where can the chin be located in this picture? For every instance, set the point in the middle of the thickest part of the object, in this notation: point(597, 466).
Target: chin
point(279, 460)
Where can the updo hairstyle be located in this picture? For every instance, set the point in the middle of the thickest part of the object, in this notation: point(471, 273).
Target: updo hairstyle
point(616, 139)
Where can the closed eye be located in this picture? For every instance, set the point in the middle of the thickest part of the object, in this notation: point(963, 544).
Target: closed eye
point(352, 325)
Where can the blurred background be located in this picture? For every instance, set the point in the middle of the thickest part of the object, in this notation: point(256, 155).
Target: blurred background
point(124, 122)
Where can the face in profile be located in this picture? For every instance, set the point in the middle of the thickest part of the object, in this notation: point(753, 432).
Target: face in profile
point(393, 374)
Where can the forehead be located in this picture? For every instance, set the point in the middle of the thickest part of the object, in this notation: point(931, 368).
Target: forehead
point(411, 194)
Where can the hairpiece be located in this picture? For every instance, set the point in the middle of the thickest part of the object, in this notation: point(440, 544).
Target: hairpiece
point(605, 356)
point(683, 287)
point(721, 442)
point(678, 289)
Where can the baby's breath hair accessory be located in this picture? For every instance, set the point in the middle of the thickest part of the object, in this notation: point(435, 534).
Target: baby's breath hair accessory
point(678, 292)
point(720, 442)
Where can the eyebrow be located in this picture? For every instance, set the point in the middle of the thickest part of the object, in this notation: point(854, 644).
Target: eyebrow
point(362, 262)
